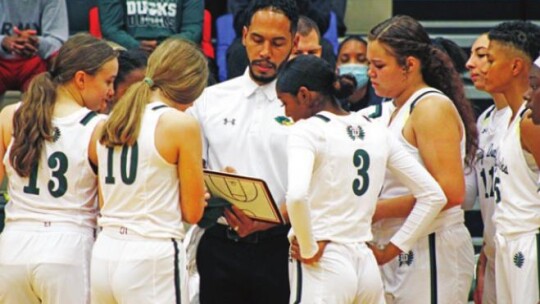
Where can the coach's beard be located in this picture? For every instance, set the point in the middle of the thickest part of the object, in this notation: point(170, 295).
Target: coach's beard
point(260, 78)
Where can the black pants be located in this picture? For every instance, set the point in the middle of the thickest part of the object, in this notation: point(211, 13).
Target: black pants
point(253, 270)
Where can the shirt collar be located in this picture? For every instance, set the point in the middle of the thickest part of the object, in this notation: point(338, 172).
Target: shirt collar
point(250, 87)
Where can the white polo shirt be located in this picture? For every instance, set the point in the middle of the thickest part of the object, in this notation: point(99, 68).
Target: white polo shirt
point(244, 126)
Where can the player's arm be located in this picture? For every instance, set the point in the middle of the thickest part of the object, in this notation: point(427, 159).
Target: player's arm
point(6, 131)
point(92, 154)
point(112, 19)
point(426, 192)
point(480, 274)
point(438, 132)
point(190, 171)
point(178, 140)
point(530, 133)
point(471, 188)
point(3, 121)
point(300, 170)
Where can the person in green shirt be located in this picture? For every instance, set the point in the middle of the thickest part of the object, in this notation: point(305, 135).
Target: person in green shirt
point(144, 24)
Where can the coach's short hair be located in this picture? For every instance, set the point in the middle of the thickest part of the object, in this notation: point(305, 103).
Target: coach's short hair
point(286, 7)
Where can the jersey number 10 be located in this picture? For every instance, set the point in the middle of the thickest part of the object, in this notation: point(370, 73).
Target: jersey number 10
point(128, 176)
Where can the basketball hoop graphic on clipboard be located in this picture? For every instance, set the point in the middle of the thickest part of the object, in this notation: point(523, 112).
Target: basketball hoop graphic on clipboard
point(233, 189)
point(249, 194)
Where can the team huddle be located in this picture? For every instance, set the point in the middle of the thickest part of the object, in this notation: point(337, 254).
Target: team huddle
point(373, 200)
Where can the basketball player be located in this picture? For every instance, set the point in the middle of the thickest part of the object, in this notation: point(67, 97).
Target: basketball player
point(149, 157)
point(513, 47)
point(331, 200)
point(47, 144)
point(490, 124)
point(434, 123)
point(533, 94)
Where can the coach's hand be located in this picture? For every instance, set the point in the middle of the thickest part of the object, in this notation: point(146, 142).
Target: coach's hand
point(242, 224)
point(386, 254)
point(296, 254)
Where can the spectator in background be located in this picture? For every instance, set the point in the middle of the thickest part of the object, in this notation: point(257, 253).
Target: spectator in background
point(131, 69)
point(145, 24)
point(309, 39)
point(31, 32)
point(237, 60)
point(352, 59)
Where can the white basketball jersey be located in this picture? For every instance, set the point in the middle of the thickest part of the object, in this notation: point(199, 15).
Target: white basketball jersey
point(392, 187)
point(63, 186)
point(491, 126)
point(518, 202)
point(140, 188)
point(347, 176)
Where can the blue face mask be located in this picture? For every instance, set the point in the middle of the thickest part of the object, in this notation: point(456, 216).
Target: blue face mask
point(359, 71)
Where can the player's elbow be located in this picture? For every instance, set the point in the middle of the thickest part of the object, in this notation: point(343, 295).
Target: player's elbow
point(192, 218)
point(194, 214)
point(454, 198)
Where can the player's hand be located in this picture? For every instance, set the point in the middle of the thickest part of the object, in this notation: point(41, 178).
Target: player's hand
point(296, 254)
point(148, 45)
point(242, 224)
point(480, 270)
point(386, 254)
point(230, 170)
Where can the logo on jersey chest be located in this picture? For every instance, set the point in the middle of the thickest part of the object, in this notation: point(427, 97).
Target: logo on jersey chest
point(283, 120)
point(406, 258)
point(519, 259)
point(56, 134)
point(355, 132)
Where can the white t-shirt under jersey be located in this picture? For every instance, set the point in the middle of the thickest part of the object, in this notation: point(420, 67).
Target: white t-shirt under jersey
point(140, 188)
point(336, 170)
point(63, 188)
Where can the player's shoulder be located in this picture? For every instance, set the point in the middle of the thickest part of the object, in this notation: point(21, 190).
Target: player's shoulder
point(9, 110)
point(488, 112)
point(177, 121)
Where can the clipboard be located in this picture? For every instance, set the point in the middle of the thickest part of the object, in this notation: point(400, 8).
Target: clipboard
point(249, 194)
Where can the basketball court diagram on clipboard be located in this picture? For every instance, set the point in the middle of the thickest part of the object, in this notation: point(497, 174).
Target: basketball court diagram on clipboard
point(251, 195)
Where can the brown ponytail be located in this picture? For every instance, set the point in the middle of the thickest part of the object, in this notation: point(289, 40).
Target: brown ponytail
point(32, 122)
point(177, 68)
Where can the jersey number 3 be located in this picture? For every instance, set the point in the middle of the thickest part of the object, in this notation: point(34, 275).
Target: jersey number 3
point(361, 162)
